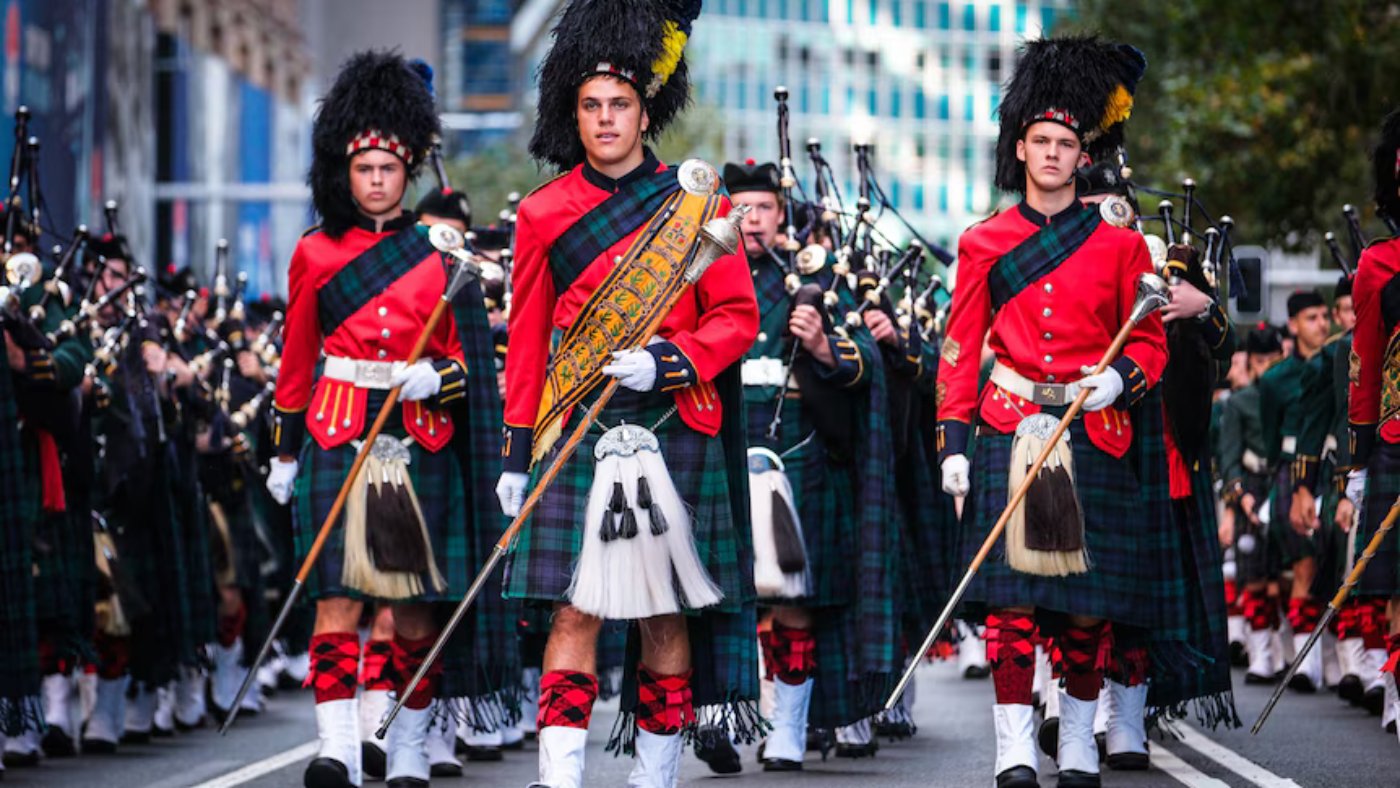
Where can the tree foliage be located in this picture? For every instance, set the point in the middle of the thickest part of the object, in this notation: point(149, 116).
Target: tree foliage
point(1272, 106)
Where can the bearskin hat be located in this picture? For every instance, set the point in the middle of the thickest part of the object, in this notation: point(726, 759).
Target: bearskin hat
point(445, 204)
point(750, 177)
point(1081, 82)
point(1385, 164)
point(174, 282)
point(105, 247)
point(379, 101)
point(641, 42)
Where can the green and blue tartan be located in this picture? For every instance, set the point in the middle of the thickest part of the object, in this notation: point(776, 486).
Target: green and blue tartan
point(369, 274)
point(1040, 254)
point(1381, 577)
point(616, 217)
point(19, 659)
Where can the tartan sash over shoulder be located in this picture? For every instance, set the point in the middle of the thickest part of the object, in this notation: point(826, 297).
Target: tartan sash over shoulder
point(1039, 254)
point(612, 219)
point(369, 274)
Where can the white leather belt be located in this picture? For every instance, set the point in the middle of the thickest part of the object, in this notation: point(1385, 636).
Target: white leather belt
point(765, 372)
point(361, 372)
point(1012, 382)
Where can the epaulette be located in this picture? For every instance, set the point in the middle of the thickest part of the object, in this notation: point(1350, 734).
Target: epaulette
point(315, 228)
point(546, 183)
point(1382, 239)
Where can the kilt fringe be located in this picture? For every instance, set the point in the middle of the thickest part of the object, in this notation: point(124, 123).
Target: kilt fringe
point(489, 711)
point(24, 714)
point(1209, 711)
point(736, 714)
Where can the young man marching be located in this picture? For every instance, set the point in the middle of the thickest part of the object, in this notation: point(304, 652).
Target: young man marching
point(1054, 282)
point(588, 245)
point(362, 287)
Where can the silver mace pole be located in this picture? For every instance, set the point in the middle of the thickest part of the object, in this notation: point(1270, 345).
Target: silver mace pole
point(1332, 607)
point(1152, 294)
point(718, 237)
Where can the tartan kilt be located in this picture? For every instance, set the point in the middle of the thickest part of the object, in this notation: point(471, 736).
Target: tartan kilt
point(1289, 545)
point(824, 493)
point(1382, 575)
point(541, 562)
point(1120, 584)
point(190, 514)
point(247, 569)
point(929, 544)
point(437, 481)
point(1262, 560)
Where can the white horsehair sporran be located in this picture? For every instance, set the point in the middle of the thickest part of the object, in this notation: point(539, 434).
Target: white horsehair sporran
point(1045, 534)
point(387, 547)
point(780, 569)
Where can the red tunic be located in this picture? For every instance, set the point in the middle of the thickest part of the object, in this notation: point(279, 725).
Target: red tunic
point(384, 329)
point(1062, 322)
point(1379, 265)
point(711, 327)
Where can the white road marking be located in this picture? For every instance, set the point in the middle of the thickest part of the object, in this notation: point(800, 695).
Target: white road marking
point(1181, 771)
point(266, 766)
point(1232, 760)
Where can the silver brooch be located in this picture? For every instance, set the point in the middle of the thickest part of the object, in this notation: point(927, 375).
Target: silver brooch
point(1038, 425)
point(697, 177)
point(626, 440)
point(1117, 211)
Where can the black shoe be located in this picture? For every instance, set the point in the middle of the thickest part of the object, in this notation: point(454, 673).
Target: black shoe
point(1073, 778)
point(99, 747)
point(1049, 737)
point(1018, 777)
point(1373, 701)
point(136, 737)
point(780, 765)
point(1255, 678)
point(374, 762)
point(20, 760)
point(1390, 727)
point(407, 782)
point(718, 753)
point(866, 750)
point(445, 770)
point(1303, 684)
point(977, 671)
point(894, 731)
point(327, 773)
point(162, 733)
point(57, 743)
point(1129, 761)
point(217, 713)
point(1101, 739)
point(1239, 656)
point(1350, 689)
point(518, 744)
point(479, 754)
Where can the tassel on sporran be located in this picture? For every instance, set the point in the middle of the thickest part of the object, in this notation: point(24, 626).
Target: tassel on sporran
point(387, 547)
point(637, 546)
point(111, 616)
point(780, 552)
point(1045, 535)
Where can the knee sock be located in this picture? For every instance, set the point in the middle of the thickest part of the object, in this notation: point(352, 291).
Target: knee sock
point(230, 627)
point(377, 673)
point(335, 662)
point(1077, 655)
point(566, 699)
point(408, 657)
point(113, 656)
point(1392, 645)
point(790, 654)
point(1372, 622)
point(1011, 653)
point(1303, 615)
point(663, 702)
point(1257, 610)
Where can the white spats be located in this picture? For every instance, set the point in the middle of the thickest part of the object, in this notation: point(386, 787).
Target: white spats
point(658, 763)
point(1015, 732)
point(227, 676)
point(190, 700)
point(407, 744)
point(108, 717)
point(788, 739)
point(561, 756)
point(1078, 751)
point(1126, 731)
point(338, 727)
point(1260, 643)
point(1309, 675)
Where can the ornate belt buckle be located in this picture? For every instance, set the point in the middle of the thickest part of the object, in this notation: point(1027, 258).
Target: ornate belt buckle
point(373, 374)
point(1048, 394)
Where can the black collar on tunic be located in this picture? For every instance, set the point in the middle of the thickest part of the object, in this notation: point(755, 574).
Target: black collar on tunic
point(1038, 219)
point(612, 185)
point(406, 219)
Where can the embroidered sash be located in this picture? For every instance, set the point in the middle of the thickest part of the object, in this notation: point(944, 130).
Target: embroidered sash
point(612, 219)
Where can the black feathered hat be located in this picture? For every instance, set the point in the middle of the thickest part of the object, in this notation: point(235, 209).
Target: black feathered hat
point(1343, 289)
point(750, 177)
point(379, 102)
point(106, 247)
point(641, 42)
point(445, 204)
point(1262, 340)
point(1081, 82)
point(1385, 164)
point(174, 282)
point(1299, 300)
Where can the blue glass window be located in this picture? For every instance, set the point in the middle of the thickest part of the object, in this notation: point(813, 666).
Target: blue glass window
point(804, 99)
point(894, 192)
point(1021, 11)
point(850, 99)
point(918, 196)
point(944, 16)
point(967, 107)
point(994, 19)
point(1047, 19)
point(894, 102)
point(826, 99)
point(969, 17)
point(969, 197)
point(942, 107)
point(872, 103)
point(875, 10)
point(996, 100)
point(850, 12)
point(921, 14)
point(919, 111)
point(943, 197)
point(897, 12)
point(742, 99)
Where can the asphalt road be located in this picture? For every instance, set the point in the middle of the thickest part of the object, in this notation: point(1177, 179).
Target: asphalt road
point(1310, 741)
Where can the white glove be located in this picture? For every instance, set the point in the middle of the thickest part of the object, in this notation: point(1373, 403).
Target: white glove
point(419, 381)
point(1105, 387)
point(956, 475)
point(635, 369)
point(1356, 486)
point(280, 480)
point(510, 491)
